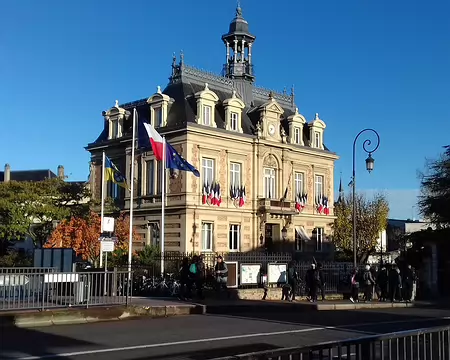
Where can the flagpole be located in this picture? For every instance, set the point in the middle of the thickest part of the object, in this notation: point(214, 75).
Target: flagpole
point(130, 239)
point(163, 205)
point(102, 211)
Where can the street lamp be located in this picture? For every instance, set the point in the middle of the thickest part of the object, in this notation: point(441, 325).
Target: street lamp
point(284, 233)
point(369, 167)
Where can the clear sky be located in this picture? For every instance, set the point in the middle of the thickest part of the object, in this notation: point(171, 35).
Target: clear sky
point(381, 64)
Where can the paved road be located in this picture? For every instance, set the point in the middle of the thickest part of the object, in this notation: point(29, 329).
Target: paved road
point(208, 336)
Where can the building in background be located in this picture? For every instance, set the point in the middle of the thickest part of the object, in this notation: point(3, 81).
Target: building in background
point(252, 147)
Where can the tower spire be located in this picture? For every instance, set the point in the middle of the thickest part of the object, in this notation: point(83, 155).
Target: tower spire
point(341, 190)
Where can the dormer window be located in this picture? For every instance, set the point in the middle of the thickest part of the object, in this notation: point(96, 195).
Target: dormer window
point(296, 123)
point(206, 103)
point(234, 125)
point(115, 118)
point(159, 108)
point(297, 134)
point(316, 129)
point(233, 113)
point(207, 115)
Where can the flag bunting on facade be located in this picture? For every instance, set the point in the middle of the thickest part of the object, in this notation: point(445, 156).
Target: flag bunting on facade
point(300, 201)
point(322, 205)
point(212, 194)
point(238, 195)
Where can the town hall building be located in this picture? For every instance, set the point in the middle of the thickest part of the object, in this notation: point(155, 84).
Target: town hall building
point(266, 176)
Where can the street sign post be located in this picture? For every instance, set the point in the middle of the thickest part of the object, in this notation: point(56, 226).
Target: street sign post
point(107, 245)
point(108, 224)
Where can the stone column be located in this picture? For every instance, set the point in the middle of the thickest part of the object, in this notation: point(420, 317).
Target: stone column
point(7, 173)
point(243, 50)
point(235, 51)
point(228, 52)
point(250, 53)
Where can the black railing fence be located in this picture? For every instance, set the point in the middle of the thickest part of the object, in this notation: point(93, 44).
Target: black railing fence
point(335, 273)
point(419, 344)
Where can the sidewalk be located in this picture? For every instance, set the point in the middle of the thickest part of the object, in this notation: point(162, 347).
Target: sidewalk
point(139, 307)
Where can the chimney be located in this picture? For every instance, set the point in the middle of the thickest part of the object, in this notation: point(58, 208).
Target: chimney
point(61, 172)
point(7, 174)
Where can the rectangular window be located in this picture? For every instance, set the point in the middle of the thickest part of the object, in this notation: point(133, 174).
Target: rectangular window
point(299, 177)
point(317, 143)
point(208, 171)
point(234, 237)
point(235, 174)
point(298, 240)
point(157, 116)
point(269, 183)
point(207, 236)
point(297, 139)
point(318, 186)
point(114, 129)
point(207, 110)
point(318, 236)
point(234, 121)
point(159, 174)
point(150, 174)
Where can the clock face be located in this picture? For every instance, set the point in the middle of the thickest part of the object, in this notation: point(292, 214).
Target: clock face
point(271, 129)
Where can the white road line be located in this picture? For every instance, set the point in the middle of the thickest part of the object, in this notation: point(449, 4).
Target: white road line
point(225, 338)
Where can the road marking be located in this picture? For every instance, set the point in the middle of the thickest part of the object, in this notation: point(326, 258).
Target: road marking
point(224, 338)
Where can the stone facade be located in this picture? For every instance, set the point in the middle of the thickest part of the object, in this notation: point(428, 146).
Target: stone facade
point(239, 137)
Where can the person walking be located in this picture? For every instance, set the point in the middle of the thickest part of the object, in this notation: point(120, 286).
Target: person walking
point(292, 278)
point(382, 284)
point(354, 286)
point(408, 282)
point(321, 281)
point(185, 280)
point(312, 280)
point(221, 270)
point(369, 282)
point(395, 284)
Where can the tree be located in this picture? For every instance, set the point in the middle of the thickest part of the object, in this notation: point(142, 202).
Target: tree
point(434, 201)
point(82, 233)
point(29, 208)
point(371, 219)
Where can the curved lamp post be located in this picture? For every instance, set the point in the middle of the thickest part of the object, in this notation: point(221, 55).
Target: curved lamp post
point(367, 144)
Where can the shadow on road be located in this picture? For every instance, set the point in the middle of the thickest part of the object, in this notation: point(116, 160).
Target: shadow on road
point(23, 342)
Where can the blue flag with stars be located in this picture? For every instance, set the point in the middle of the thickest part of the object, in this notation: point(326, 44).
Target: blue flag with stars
point(176, 161)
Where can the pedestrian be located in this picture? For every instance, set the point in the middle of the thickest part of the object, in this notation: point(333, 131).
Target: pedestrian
point(354, 286)
point(395, 284)
point(200, 276)
point(221, 271)
point(292, 278)
point(408, 283)
point(185, 280)
point(368, 282)
point(312, 280)
point(382, 284)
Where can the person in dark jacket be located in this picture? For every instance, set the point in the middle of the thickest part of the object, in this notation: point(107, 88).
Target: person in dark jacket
point(200, 276)
point(395, 284)
point(408, 283)
point(221, 270)
point(292, 278)
point(382, 283)
point(368, 282)
point(185, 280)
point(354, 285)
point(312, 280)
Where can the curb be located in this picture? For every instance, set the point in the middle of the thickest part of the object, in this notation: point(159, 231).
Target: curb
point(98, 314)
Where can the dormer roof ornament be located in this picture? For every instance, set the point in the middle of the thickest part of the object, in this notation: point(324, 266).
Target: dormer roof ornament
point(317, 117)
point(116, 104)
point(158, 90)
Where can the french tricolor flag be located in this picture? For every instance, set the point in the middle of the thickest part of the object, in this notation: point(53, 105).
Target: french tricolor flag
point(149, 137)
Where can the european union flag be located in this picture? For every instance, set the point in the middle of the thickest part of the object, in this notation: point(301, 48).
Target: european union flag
point(176, 161)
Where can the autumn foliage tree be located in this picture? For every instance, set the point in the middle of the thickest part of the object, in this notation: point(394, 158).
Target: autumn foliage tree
point(82, 233)
point(371, 219)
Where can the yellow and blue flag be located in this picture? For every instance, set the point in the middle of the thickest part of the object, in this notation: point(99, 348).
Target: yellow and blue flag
point(113, 174)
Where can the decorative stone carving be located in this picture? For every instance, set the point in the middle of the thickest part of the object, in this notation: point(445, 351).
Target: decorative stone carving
point(270, 161)
point(248, 181)
point(194, 161)
point(221, 218)
point(310, 188)
point(223, 168)
point(328, 182)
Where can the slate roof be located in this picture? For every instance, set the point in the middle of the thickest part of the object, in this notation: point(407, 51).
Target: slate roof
point(186, 81)
point(29, 175)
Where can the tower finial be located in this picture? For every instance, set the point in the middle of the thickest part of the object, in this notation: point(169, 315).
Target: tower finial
point(238, 8)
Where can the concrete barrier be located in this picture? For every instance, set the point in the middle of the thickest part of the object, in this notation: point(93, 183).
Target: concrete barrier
point(96, 314)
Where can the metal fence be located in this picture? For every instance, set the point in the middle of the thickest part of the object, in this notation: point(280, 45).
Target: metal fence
point(43, 290)
point(26, 270)
point(422, 344)
point(335, 273)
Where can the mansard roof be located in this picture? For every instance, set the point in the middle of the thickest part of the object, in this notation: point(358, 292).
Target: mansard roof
point(186, 81)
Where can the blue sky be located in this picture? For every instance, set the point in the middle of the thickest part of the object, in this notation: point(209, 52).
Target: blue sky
point(380, 64)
